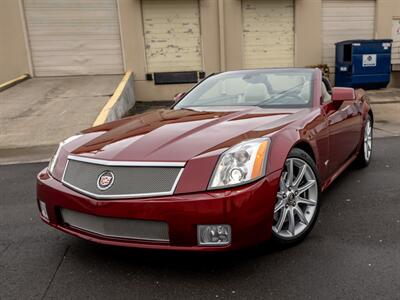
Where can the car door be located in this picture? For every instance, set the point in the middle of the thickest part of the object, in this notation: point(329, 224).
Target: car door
point(344, 123)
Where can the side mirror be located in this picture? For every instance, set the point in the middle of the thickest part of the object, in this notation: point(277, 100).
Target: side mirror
point(179, 96)
point(343, 94)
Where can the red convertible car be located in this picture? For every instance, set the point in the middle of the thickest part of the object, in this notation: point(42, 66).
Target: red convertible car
point(241, 158)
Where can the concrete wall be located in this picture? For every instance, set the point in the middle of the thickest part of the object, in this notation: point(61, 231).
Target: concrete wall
point(134, 48)
point(232, 24)
point(384, 14)
point(13, 48)
point(221, 38)
point(121, 101)
point(387, 10)
point(209, 22)
point(308, 28)
point(221, 34)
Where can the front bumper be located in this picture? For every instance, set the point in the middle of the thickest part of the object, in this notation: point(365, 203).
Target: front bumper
point(248, 209)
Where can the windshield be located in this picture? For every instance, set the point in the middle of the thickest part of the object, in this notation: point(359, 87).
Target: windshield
point(265, 88)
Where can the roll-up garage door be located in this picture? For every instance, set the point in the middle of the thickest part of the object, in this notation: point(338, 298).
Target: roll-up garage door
point(268, 33)
point(74, 37)
point(172, 35)
point(345, 20)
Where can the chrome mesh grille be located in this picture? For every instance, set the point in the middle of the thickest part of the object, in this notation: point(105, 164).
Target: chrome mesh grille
point(117, 228)
point(129, 181)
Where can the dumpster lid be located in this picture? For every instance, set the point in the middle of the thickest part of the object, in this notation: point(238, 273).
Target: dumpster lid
point(364, 41)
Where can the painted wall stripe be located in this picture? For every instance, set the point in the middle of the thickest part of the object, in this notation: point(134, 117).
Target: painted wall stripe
point(102, 117)
point(14, 81)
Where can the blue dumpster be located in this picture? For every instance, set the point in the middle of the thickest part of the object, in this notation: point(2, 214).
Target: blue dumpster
point(363, 63)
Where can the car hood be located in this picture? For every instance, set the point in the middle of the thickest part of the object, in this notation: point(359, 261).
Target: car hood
point(179, 135)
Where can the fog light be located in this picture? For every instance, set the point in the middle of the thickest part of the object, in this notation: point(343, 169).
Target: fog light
point(43, 210)
point(213, 235)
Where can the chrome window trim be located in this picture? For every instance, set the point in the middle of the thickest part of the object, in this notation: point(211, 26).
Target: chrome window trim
point(123, 164)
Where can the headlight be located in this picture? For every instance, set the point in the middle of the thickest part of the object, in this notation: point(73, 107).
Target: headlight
point(53, 160)
point(240, 164)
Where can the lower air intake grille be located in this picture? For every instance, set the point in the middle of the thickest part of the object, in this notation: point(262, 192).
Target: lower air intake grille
point(117, 228)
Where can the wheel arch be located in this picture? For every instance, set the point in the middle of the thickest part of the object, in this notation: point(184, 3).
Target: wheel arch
point(283, 143)
point(306, 147)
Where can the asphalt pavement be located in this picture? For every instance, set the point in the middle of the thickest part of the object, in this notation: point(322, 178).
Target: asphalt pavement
point(353, 251)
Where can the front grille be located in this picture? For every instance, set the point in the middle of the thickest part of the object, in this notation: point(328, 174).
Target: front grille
point(130, 179)
point(117, 228)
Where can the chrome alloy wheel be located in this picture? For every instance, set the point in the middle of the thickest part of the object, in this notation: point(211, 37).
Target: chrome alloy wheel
point(367, 140)
point(296, 199)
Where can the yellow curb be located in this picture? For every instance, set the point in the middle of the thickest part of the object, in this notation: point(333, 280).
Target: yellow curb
point(102, 117)
point(13, 81)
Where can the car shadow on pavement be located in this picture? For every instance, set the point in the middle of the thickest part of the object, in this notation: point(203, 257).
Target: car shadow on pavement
point(181, 264)
point(179, 261)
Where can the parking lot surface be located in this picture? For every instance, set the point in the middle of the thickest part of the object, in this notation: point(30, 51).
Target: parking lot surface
point(352, 252)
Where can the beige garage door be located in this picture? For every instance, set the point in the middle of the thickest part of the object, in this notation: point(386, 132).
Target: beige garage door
point(172, 35)
point(345, 20)
point(74, 37)
point(268, 33)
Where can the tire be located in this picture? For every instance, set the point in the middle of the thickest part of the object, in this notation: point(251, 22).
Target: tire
point(364, 155)
point(298, 199)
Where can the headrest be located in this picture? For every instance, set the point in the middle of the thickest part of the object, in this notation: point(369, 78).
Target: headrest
point(255, 92)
